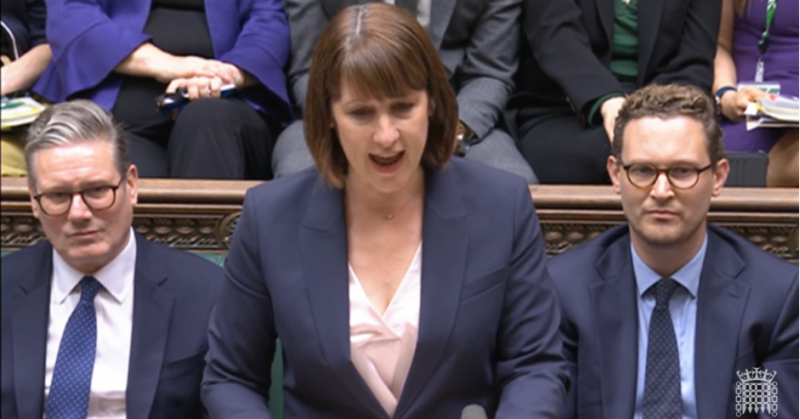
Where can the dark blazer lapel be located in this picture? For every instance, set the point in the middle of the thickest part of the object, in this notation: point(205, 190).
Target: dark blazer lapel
point(30, 335)
point(441, 12)
point(649, 14)
point(615, 308)
point(721, 301)
point(444, 255)
point(152, 315)
point(323, 243)
point(605, 11)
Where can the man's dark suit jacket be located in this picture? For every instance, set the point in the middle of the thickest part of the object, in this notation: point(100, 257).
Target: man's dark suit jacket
point(173, 294)
point(488, 321)
point(569, 45)
point(747, 314)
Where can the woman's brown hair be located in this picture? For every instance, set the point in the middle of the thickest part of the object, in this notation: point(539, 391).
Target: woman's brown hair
point(739, 6)
point(380, 51)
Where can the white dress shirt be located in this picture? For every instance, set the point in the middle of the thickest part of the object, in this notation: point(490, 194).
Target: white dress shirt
point(423, 12)
point(114, 307)
point(382, 347)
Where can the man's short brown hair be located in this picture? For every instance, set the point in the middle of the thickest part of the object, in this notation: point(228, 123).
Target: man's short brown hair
point(670, 101)
point(380, 51)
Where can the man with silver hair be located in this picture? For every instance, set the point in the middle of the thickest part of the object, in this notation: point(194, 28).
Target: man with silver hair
point(97, 320)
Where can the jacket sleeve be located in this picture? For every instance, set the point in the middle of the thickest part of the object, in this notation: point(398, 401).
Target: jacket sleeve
point(561, 47)
point(530, 364)
point(694, 62)
point(262, 48)
point(242, 335)
point(86, 44)
point(569, 335)
point(37, 19)
point(307, 20)
point(490, 61)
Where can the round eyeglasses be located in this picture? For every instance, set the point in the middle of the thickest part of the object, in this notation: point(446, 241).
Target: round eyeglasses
point(681, 176)
point(97, 198)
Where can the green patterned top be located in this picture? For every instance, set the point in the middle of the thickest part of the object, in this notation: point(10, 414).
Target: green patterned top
point(625, 53)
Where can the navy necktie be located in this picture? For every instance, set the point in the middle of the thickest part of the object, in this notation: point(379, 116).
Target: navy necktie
point(72, 375)
point(662, 383)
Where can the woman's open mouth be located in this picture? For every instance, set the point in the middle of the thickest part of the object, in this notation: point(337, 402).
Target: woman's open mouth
point(387, 163)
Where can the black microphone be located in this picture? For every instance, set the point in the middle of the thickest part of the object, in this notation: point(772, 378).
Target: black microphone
point(473, 411)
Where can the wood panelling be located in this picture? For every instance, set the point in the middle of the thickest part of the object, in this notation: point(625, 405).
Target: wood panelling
point(199, 215)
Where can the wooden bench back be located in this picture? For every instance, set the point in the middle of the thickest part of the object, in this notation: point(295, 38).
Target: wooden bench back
point(200, 215)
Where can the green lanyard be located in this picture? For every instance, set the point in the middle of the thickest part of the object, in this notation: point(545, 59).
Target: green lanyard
point(763, 43)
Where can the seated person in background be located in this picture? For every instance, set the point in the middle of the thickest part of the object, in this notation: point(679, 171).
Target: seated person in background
point(743, 25)
point(585, 55)
point(25, 54)
point(659, 315)
point(401, 283)
point(479, 57)
point(96, 320)
point(122, 54)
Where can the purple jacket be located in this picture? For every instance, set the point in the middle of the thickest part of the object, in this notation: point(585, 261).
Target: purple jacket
point(90, 38)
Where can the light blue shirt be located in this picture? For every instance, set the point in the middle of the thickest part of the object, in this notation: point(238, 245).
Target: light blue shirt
point(683, 311)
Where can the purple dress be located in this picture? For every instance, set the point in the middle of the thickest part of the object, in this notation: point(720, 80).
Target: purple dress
point(780, 65)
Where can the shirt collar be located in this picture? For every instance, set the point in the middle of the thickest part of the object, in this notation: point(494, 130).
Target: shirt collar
point(116, 277)
point(688, 275)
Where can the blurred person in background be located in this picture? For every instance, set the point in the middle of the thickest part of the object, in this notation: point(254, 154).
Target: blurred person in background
point(758, 34)
point(123, 54)
point(25, 55)
point(583, 57)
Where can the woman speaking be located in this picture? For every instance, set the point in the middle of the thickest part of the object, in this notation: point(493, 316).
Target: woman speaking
point(400, 284)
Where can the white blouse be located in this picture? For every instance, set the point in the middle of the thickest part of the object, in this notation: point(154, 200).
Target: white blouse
point(382, 347)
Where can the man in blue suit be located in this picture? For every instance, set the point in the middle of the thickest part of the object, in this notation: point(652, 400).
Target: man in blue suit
point(98, 321)
point(661, 317)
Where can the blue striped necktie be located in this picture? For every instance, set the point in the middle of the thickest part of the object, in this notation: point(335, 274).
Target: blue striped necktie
point(72, 375)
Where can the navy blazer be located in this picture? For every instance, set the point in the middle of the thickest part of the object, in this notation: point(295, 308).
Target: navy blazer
point(488, 317)
point(747, 310)
point(173, 294)
point(89, 38)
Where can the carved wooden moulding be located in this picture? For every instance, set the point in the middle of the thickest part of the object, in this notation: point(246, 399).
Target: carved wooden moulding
point(202, 215)
point(194, 234)
point(209, 233)
point(780, 240)
point(212, 233)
